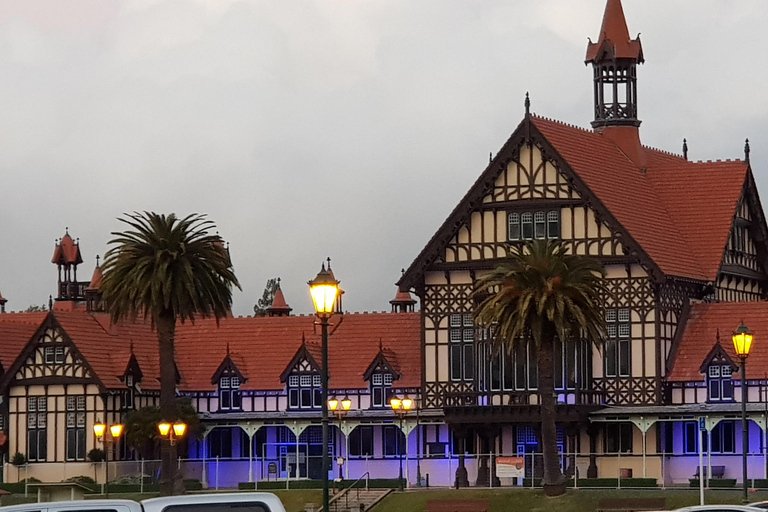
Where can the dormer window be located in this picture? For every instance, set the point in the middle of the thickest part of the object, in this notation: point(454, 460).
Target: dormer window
point(719, 383)
point(229, 394)
point(54, 355)
point(304, 391)
point(381, 389)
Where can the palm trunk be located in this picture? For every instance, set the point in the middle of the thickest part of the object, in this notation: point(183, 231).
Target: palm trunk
point(166, 330)
point(553, 482)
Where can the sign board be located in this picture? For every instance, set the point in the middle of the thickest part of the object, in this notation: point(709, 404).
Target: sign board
point(702, 424)
point(510, 467)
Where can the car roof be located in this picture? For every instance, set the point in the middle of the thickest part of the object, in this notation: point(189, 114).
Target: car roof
point(269, 499)
point(720, 507)
point(78, 504)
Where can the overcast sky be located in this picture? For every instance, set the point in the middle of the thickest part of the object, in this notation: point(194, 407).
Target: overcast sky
point(308, 129)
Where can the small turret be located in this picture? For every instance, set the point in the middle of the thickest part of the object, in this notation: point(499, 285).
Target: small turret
point(403, 301)
point(66, 256)
point(279, 307)
point(3, 300)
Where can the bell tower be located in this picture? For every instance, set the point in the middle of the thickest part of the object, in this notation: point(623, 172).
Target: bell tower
point(614, 58)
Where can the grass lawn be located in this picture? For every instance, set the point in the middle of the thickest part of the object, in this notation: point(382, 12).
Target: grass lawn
point(583, 500)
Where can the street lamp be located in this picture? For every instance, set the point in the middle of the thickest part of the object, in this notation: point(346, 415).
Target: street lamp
point(341, 408)
point(172, 432)
point(324, 290)
point(116, 430)
point(401, 407)
point(742, 342)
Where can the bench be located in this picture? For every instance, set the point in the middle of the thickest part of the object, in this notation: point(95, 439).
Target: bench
point(458, 505)
point(717, 471)
point(631, 505)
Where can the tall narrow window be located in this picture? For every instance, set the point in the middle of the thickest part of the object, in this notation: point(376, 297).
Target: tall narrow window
point(394, 441)
point(553, 225)
point(361, 442)
point(527, 224)
point(618, 346)
point(618, 437)
point(514, 226)
point(229, 393)
point(462, 336)
point(381, 389)
point(540, 221)
point(37, 437)
point(75, 428)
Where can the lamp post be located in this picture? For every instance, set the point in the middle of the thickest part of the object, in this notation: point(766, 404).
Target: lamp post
point(324, 290)
point(115, 431)
point(401, 407)
point(742, 342)
point(340, 408)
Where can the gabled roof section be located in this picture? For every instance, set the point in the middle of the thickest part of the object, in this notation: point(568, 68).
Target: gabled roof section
point(227, 366)
point(133, 368)
point(717, 356)
point(613, 41)
point(306, 352)
point(704, 322)
point(384, 362)
point(95, 283)
point(16, 331)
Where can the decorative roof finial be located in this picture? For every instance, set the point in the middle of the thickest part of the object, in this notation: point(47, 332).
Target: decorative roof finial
point(718, 335)
point(97, 261)
point(746, 151)
point(50, 303)
point(380, 345)
point(527, 103)
point(329, 262)
point(402, 272)
point(227, 348)
point(685, 149)
point(490, 157)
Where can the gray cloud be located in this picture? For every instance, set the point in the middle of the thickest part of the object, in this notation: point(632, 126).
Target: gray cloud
point(315, 128)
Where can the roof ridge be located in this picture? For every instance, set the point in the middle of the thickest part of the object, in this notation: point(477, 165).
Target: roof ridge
point(563, 123)
point(670, 153)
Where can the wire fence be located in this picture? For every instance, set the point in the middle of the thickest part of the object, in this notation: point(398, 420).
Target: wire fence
point(292, 471)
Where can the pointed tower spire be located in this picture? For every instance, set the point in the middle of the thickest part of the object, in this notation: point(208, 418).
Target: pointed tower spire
point(279, 307)
point(614, 58)
point(746, 151)
point(527, 104)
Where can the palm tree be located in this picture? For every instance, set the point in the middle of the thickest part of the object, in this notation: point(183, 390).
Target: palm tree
point(542, 295)
point(167, 269)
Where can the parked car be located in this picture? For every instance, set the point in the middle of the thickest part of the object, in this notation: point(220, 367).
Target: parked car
point(762, 505)
point(240, 502)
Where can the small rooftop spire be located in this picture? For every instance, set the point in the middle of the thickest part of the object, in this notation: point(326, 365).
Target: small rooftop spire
point(527, 103)
point(746, 151)
point(685, 149)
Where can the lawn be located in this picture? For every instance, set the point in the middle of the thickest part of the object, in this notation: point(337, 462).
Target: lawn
point(525, 500)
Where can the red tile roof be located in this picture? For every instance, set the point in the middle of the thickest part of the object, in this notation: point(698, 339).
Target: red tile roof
point(614, 36)
point(700, 335)
point(16, 329)
point(680, 212)
point(265, 345)
point(95, 279)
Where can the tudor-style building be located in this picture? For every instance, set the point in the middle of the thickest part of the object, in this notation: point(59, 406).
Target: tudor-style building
point(670, 233)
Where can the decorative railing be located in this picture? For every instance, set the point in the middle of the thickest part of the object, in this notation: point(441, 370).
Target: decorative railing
point(740, 258)
point(73, 291)
point(512, 398)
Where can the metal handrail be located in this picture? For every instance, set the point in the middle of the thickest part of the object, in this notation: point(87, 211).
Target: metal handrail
point(367, 476)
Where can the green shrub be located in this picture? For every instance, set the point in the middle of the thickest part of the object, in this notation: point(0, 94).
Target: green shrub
point(373, 483)
point(97, 455)
point(18, 459)
point(83, 480)
point(610, 483)
point(715, 482)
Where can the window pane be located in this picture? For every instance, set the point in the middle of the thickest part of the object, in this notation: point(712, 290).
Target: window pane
point(533, 367)
point(71, 444)
point(527, 224)
point(727, 393)
point(726, 371)
point(224, 397)
point(306, 380)
point(455, 335)
point(623, 315)
point(455, 320)
point(558, 364)
point(294, 397)
point(514, 226)
point(70, 403)
point(456, 362)
point(469, 362)
point(714, 389)
point(293, 380)
point(388, 379)
point(610, 358)
point(377, 379)
point(80, 403)
point(610, 315)
point(306, 398)
point(714, 371)
point(316, 381)
point(224, 382)
point(234, 382)
point(378, 397)
point(623, 330)
point(237, 401)
point(521, 367)
point(32, 404)
point(366, 441)
point(81, 444)
point(541, 226)
point(553, 224)
point(624, 357)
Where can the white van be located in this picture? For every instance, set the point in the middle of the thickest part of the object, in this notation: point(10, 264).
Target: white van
point(234, 502)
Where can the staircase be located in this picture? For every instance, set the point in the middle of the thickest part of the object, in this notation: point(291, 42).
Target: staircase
point(350, 500)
